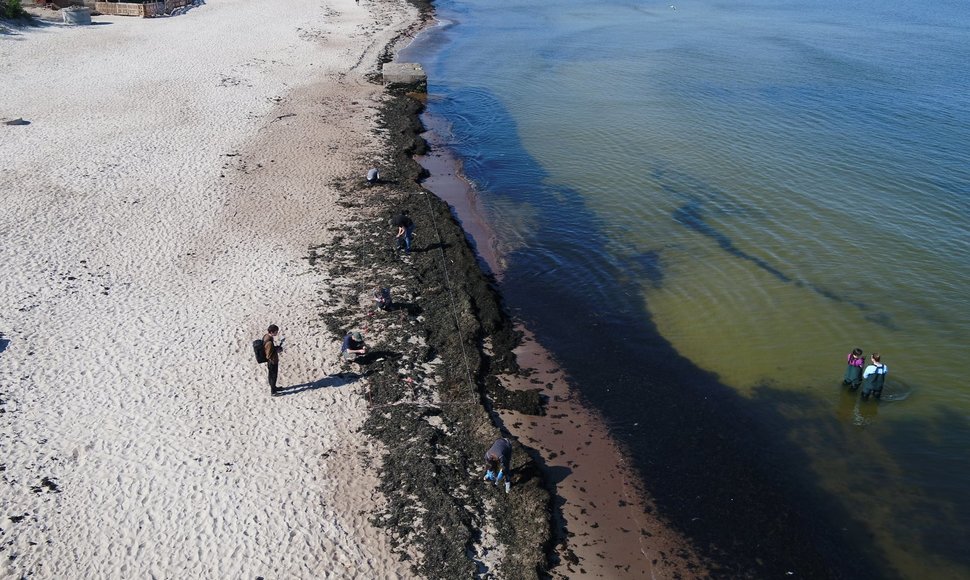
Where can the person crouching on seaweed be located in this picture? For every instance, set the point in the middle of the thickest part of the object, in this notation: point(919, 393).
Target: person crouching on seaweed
point(382, 298)
point(853, 372)
point(874, 377)
point(497, 461)
point(373, 176)
point(352, 347)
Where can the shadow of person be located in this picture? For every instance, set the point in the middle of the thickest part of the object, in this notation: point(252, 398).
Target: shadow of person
point(551, 477)
point(376, 356)
point(554, 475)
point(411, 309)
point(431, 247)
point(330, 381)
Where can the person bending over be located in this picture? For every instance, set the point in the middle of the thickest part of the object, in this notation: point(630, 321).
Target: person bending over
point(352, 347)
point(382, 298)
point(497, 461)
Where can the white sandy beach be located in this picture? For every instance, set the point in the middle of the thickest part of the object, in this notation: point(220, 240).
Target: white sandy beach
point(155, 217)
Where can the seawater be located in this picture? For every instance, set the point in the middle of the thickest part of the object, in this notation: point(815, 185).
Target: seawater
point(702, 207)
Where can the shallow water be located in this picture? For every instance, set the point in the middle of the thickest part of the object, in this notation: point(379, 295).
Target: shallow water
point(725, 200)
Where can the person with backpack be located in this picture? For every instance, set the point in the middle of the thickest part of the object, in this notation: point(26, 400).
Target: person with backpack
point(498, 461)
point(405, 230)
point(272, 353)
point(873, 377)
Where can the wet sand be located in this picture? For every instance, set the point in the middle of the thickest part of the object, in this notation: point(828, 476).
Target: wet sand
point(607, 527)
point(426, 372)
point(446, 181)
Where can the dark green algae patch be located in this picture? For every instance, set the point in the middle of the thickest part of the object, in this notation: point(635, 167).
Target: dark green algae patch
point(430, 372)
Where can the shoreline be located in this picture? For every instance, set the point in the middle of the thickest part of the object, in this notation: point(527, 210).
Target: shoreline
point(431, 384)
point(446, 179)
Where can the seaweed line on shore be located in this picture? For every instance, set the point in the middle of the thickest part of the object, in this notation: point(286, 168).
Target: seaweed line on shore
point(426, 372)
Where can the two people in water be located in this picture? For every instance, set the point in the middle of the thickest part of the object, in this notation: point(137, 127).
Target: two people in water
point(872, 378)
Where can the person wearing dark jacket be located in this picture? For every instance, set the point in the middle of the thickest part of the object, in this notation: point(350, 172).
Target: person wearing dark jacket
point(874, 377)
point(373, 176)
point(352, 346)
point(272, 356)
point(405, 230)
point(497, 463)
point(382, 298)
point(853, 371)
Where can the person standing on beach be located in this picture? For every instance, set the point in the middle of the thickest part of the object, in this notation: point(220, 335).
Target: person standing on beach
point(272, 356)
point(498, 459)
point(405, 229)
point(873, 377)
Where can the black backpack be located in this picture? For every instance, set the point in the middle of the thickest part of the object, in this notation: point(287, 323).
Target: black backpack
point(259, 348)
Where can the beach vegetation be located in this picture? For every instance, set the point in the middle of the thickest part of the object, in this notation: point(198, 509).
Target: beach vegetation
point(12, 9)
